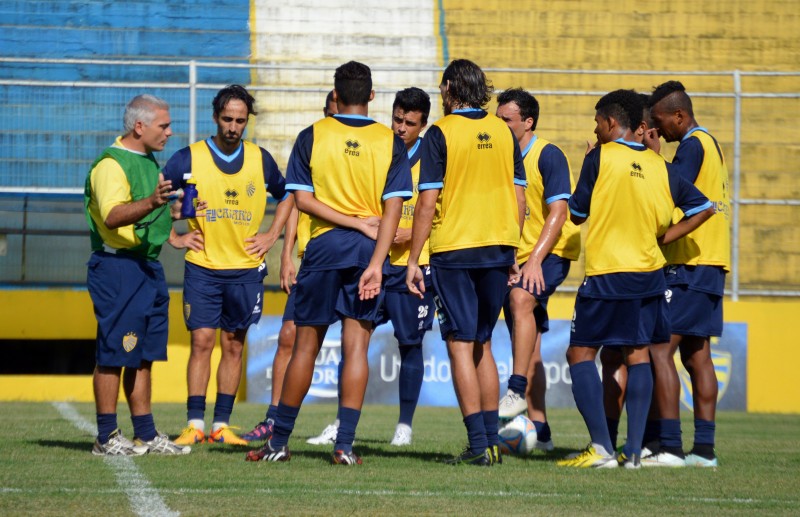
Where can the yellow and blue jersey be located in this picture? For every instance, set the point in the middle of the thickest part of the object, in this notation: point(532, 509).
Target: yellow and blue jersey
point(352, 164)
point(699, 160)
point(474, 160)
point(549, 180)
point(398, 253)
point(235, 188)
point(628, 195)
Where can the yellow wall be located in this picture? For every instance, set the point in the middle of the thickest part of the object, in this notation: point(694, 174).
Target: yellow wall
point(69, 316)
point(771, 369)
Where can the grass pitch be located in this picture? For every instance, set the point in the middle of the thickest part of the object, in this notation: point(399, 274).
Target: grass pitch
point(46, 469)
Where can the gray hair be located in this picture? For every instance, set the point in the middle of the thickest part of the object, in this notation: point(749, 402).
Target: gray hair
point(142, 108)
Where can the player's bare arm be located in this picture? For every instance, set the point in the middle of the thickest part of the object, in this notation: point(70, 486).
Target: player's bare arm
point(369, 286)
point(308, 203)
point(685, 226)
point(420, 231)
point(532, 275)
point(261, 243)
point(130, 213)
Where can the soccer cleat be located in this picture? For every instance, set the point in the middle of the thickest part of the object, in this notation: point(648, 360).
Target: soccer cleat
point(634, 462)
point(269, 453)
point(544, 446)
point(118, 445)
point(345, 458)
point(260, 433)
point(225, 435)
point(190, 436)
point(497, 457)
point(327, 437)
point(482, 459)
point(695, 460)
point(402, 435)
point(589, 458)
point(511, 405)
point(162, 445)
point(663, 459)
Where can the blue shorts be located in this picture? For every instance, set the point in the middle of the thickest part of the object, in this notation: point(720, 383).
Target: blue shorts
point(468, 301)
point(324, 297)
point(555, 269)
point(640, 321)
point(288, 311)
point(695, 313)
point(218, 303)
point(131, 304)
point(410, 316)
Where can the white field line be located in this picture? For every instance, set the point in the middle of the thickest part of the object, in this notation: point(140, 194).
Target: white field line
point(144, 499)
point(715, 501)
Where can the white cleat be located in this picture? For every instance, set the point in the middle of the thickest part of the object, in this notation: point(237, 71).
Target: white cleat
point(161, 444)
point(118, 445)
point(511, 405)
point(663, 459)
point(327, 437)
point(693, 460)
point(402, 435)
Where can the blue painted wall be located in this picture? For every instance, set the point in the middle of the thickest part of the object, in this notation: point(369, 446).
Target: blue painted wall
point(50, 135)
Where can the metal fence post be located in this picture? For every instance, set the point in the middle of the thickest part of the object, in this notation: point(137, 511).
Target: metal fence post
point(192, 100)
point(737, 177)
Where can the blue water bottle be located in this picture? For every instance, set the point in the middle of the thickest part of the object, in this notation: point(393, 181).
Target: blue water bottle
point(189, 202)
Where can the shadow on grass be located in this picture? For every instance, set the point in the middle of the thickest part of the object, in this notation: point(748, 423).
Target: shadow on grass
point(64, 444)
point(362, 448)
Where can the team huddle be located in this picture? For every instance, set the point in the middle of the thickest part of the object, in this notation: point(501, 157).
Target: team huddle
point(387, 229)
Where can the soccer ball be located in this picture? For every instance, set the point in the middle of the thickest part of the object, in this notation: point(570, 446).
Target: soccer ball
point(518, 437)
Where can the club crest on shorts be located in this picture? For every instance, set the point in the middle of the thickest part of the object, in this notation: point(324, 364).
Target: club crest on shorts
point(129, 341)
point(187, 310)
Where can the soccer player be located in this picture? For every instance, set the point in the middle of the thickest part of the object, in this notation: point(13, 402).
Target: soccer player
point(615, 375)
point(341, 167)
point(125, 202)
point(549, 243)
point(410, 317)
point(629, 196)
point(223, 276)
point(472, 205)
point(298, 228)
point(695, 273)
point(330, 108)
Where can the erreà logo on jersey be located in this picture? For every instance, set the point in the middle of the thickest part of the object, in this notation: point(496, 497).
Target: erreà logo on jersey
point(483, 141)
point(636, 170)
point(352, 147)
point(230, 197)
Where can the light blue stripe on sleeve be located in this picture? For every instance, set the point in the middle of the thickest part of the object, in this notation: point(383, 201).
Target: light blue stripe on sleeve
point(430, 186)
point(405, 194)
point(556, 198)
point(697, 210)
point(575, 212)
point(521, 183)
point(298, 186)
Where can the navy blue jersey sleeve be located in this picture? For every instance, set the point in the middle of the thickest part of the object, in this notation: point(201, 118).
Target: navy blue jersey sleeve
point(520, 178)
point(685, 195)
point(298, 171)
point(398, 180)
point(273, 179)
point(178, 168)
point(581, 199)
point(689, 158)
point(434, 160)
point(555, 174)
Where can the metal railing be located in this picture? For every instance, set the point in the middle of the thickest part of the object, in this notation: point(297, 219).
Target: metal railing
point(298, 89)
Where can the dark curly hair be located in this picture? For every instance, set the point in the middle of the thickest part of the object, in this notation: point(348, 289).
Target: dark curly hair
point(623, 105)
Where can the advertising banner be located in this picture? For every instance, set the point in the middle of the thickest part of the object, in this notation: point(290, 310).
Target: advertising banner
point(729, 354)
